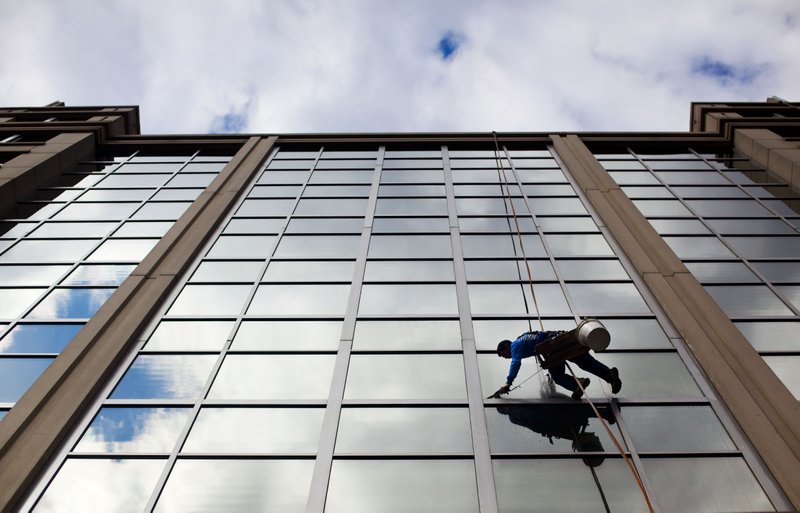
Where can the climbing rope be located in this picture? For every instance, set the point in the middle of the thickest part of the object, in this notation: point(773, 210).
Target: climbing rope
point(502, 171)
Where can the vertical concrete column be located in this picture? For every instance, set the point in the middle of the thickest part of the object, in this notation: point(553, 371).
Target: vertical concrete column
point(21, 176)
point(765, 409)
point(771, 151)
point(33, 430)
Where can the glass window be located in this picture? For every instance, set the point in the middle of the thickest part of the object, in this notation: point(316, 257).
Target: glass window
point(634, 178)
point(275, 191)
point(328, 176)
point(28, 275)
point(288, 164)
point(265, 377)
point(678, 226)
point(496, 224)
point(786, 368)
point(577, 245)
point(490, 206)
point(34, 251)
point(384, 486)
point(18, 374)
point(540, 176)
point(143, 229)
point(771, 335)
point(747, 300)
point(124, 181)
point(676, 429)
point(298, 246)
point(592, 299)
point(408, 300)
point(331, 207)
point(549, 428)
point(191, 180)
point(242, 246)
point(112, 274)
point(730, 191)
point(698, 247)
point(345, 164)
point(235, 271)
point(548, 190)
point(158, 210)
point(16, 301)
point(411, 190)
point(38, 338)
point(285, 154)
point(412, 164)
point(655, 208)
point(300, 300)
point(766, 247)
point(502, 299)
point(729, 272)
point(489, 333)
point(728, 208)
point(189, 336)
point(592, 270)
point(261, 430)
point(404, 430)
point(265, 207)
point(264, 225)
point(648, 192)
point(557, 206)
point(415, 246)
point(689, 485)
point(319, 191)
point(692, 178)
point(508, 270)
point(288, 336)
point(134, 430)
point(138, 167)
point(165, 376)
point(284, 177)
point(406, 335)
point(119, 485)
point(122, 250)
point(408, 376)
point(405, 270)
point(412, 176)
point(541, 485)
point(411, 206)
point(496, 189)
point(482, 175)
point(567, 224)
point(210, 300)
point(309, 271)
point(206, 486)
point(622, 164)
point(476, 246)
point(71, 303)
point(750, 226)
point(410, 224)
point(325, 225)
point(636, 334)
point(72, 230)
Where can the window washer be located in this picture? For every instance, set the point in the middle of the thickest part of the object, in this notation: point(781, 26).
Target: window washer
point(525, 347)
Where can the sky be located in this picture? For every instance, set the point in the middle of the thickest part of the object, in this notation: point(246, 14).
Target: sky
point(306, 66)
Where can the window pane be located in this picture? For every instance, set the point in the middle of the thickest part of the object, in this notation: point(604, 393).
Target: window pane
point(688, 485)
point(698, 247)
point(411, 190)
point(134, 430)
point(496, 224)
point(388, 270)
point(28, 275)
point(70, 303)
point(38, 338)
point(728, 208)
point(506, 299)
point(786, 368)
point(489, 333)
point(16, 301)
point(393, 377)
point(99, 275)
point(606, 298)
point(165, 377)
point(244, 226)
point(771, 336)
point(747, 300)
point(300, 300)
point(592, 270)
point(266, 377)
point(406, 335)
point(410, 224)
point(506, 270)
point(297, 246)
point(143, 229)
point(210, 300)
point(309, 271)
point(288, 336)
point(636, 334)
point(205, 486)
point(678, 226)
point(419, 246)
point(227, 271)
point(122, 250)
point(262, 430)
point(655, 208)
point(411, 176)
point(118, 485)
point(161, 210)
point(331, 207)
point(577, 245)
point(404, 430)
point(325, 225)
point(189, 336)
point(18, 374)
point(408, 299)
point(317, 191)
point(766, 247)
point(750, 226)
point(242, 246)
point(429, 486)
point(476, 246)
point(72, 230)
point(676, 428)
point(411, 206)
point(33, 251)
point(730, 272)
point(778, 272)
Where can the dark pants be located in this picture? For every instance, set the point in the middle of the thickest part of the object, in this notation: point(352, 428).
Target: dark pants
point(586, 362)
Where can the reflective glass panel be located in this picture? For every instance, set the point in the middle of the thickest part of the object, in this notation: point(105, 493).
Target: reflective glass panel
point(239, 271)
point(118, 485)
point(177, 194)
point(508, 299)
point(210, 300)
point(265, 208)
point(70, 303)
point(655, 208)
point(476, 246)
point(698, 247)
point(778, 272)
point(288, 336)
point(636, 334)
point(591, 270)
point(750, 226)
point(167, 376)
point(411, 190)
point(508, 270)
point(404, 430)
point(33, 251)
point(72, 230)
point(766, 247)
point(407, 335)
point(567, 224)
point(694, 485)
point(576, 245)
point(271, 225)
point(593, 299)
point(99, 275)
point(409, 164)
point(246, 486)
point(267, 376)
point(489, 333)
point(262, 430)
point(18, 374)
point(189, 336)
point(728, 208)
point(419, 246)
point(772, 336)
point(391, 377)
point(38, 338)
point(408, 299)
point(122, 250)
point(410, 224)
point(274, 191)
point(496, 224)
point(676, 428)
point(326, 225)
point(284, 177)
point(787, 368)
point(329, 176)
point(730, 272)
point(191, 180)
point(375, 486)
point(309, 271)
point(300, 300)
point(747, 300)
point(411, 206)
point(98, 211)
point(411, 176)
point(405, 270)
point(242, 246)
point(331, 207)
point(143, 229)
point(16, 301)
point(678, 226)
point(30, 275)
point(298, 246)
point(161, 210)
point(318, 191)
point(134, 430)
point(116, 195)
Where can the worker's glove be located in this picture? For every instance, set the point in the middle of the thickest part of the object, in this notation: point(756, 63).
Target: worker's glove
point(500, 392)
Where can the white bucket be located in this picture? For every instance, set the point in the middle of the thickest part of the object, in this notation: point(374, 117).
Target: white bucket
point(592, 334)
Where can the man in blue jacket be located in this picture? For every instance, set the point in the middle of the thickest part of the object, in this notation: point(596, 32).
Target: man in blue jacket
point(525, 347)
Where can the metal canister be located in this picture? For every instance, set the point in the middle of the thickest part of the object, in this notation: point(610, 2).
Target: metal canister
point(592, 334)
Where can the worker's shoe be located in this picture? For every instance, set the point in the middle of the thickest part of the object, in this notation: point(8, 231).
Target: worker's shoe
point(578, 393)
point(616, 383)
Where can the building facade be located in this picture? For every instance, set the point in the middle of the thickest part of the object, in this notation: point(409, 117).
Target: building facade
point(308, 322)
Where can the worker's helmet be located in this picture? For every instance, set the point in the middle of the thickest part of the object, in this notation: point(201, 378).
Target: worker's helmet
point(503, 346)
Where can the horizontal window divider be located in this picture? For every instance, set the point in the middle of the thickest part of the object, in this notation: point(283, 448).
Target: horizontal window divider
point(406, 351)
point(685, 454)
point(556, 455)
point(401, 403)
point(281, 352)
point(28, 355)
point(404, 456)
point(407, 317)
point(246, 456)
point(253, 317)
point(118, 455)
point(149, 403)
point(267, 403)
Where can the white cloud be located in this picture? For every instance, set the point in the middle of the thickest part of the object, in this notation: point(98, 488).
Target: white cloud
point(315, 66)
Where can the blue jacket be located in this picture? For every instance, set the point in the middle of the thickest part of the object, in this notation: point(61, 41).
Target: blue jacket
point(525, 347)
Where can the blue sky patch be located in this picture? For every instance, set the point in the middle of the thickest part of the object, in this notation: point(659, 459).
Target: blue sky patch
point(230, 123)
point(724, 73)
point(449, 44)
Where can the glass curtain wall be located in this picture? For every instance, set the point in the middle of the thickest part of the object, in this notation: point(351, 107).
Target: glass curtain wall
point(336, 340)
point(68, 249)
point(736, 229)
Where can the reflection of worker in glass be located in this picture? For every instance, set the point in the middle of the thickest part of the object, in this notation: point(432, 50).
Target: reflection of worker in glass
point(562, 422)
point(525, 346)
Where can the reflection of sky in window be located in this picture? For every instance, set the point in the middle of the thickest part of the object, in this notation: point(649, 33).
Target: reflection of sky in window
point(38, 338)
point(165, 377)
point(16, 301)
point(71, 303)
point(134, 430)
point(17, 374)
point(29, 275)
point(112, 274)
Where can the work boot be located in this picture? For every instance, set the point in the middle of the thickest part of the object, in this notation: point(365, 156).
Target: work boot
point(578, 393)
point(616, 383)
